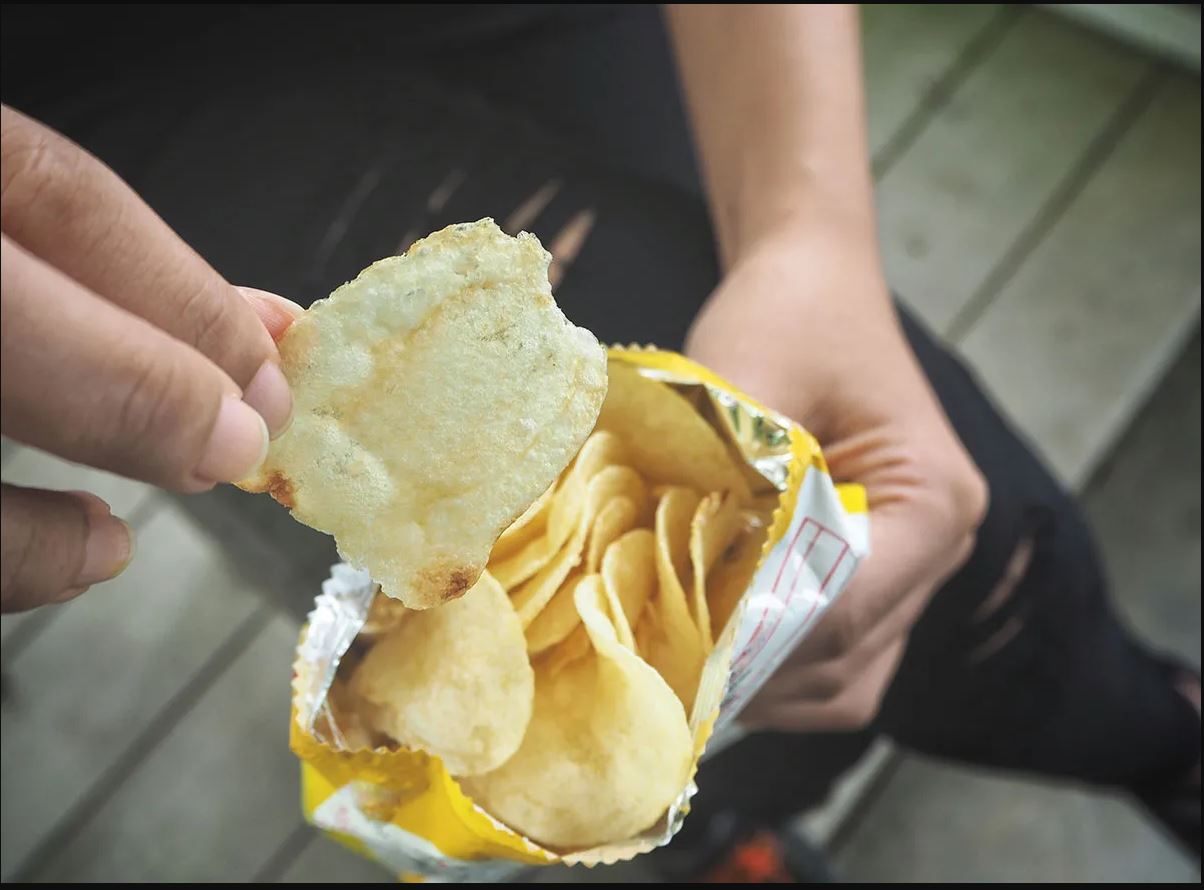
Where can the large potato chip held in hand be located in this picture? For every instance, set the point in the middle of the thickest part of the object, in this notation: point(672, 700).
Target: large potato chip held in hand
point(454, 681)
point(436, 397)
point(607, 751)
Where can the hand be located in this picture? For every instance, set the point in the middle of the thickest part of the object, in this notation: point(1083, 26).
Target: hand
point(805, 324)
point(122, 349)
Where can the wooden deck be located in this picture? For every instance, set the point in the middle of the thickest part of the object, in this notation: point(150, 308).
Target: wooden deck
point(1039, 185)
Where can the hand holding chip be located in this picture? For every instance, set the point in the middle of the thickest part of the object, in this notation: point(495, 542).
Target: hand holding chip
point(123, 350)
point(804, 322)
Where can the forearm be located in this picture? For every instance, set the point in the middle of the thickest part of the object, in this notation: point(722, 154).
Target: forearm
point(775, 95)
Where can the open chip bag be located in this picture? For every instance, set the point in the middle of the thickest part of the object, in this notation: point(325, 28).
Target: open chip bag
point(534, 671)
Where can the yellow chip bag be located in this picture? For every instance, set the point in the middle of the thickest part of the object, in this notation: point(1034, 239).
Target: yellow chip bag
point(631, 607)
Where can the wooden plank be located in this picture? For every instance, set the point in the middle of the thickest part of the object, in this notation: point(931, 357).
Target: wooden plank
point(216, 798)
point(967, 188)
point(82, 692)
point(938, 823)
point(1075, 340)
point(823, 823)
point(1168, 30)
point(907, 49)
point(324, 861)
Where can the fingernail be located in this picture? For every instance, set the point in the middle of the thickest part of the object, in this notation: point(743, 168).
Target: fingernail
point(94, 506)
point(237, 445)
point(109, 549)
point(269, 394)
point(275, 311)
point(266, 296)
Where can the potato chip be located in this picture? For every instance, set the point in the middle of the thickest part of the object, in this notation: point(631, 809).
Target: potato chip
point(645, 634)
point(384, 615)
point(436, 397)
point(610, 483)
point(615, 614)
point(557, 619)
point(601, 450)
point(454, 681)
point(668, 440)
point(531, 525)
point(675, 648)
point(715, 524)
point(564, 512)
point(617, 517)
point(733, 572)
point(607, 751)
point(629, 575)
point(574, 646)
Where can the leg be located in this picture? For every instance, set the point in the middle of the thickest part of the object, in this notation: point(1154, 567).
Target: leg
point(1020, 662)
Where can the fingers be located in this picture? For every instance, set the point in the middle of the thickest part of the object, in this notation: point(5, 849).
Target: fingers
point(821, 681)
point(836, 678)
point(901, 560)
point(70, 210)
point(854, 708)
point(92, 383)
point(55, 545)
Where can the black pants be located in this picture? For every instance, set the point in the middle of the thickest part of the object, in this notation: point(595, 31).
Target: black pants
point(292, 150)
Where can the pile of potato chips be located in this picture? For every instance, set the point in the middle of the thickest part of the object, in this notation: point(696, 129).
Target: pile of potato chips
point(551, 559)
point(559, 690)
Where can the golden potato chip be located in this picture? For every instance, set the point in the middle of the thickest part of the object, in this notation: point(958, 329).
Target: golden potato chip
point(673, 516)
point(557, 619)
point(616, 518)
point(610, 482)
point(601, 450)
point(531, 525)
point(629, 575)
point(384, 615)
point(715, 524)
point(645, 634)
point(436, 397)
point(574, 646)
point(607, 751)
point(675, 648)
point(564, 512)
point(730, 576)
point(667, 439)
point(454, 681)
point(615, 614)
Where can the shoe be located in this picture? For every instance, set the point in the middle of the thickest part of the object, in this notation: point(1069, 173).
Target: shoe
point(729, 853)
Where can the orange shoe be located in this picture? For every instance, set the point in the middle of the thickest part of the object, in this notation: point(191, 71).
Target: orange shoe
point(760, 859)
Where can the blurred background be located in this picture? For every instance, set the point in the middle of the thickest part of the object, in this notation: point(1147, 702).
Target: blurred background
point(1038, 173)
